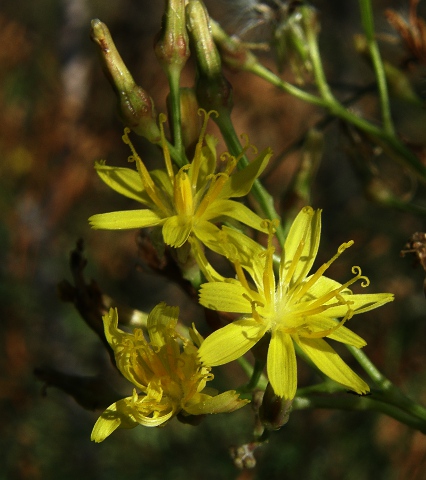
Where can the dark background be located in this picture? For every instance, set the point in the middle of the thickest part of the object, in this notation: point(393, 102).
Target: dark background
point(57, 116)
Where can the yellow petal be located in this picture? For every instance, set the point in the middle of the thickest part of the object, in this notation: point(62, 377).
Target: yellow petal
point(319, 323)
point(358, 303)
point(122, 344)
point(249, 253)
point(117, 415)
point(162, 182)
point(240, 183)
point(161, 319)
point(323, 286)
point(225, 297)
point(111, 327)
point(125, 219)
point(225, 402)
point(155, 421)
point(281, 366)
point(330, 363)
point(208, 271)
point(176, 230)
point(208, 161)
point(230, 342)
point(123, 180)
point(208, 234)
point(306, 228)
point(238, 211)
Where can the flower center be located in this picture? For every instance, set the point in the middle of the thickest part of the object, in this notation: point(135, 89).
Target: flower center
point(294, 306)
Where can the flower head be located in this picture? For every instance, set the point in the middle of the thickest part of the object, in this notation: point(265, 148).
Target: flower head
point(166, 373)
point(298, 307)
point(187, 202)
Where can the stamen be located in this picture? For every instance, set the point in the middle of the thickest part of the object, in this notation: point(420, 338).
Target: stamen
point(196, 162)
point(184, 204)
point(325, 333)
point(319, 273)
point(166, 152)
point(268, 276)
point(335, 293)
point(240, 275)
point(254, 313)
point(247, 145)
point(357, 271)
point(294, 262)
point(146, 178)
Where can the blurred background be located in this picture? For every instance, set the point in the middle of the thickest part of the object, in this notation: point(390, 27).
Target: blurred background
point(57, 116)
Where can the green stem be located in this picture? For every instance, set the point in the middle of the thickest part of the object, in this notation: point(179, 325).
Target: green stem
point(368, 26)
point(262, 72)
point(387, 392)
point(370, 369)
point(175, 154)
point(265, 200)
point(318, 69)
point(174, 84)
point(388, 141)
point(352, 402)
point(255, 373)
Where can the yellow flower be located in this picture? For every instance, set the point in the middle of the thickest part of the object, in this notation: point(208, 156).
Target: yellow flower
point(300, 308)
point(166, 372)
point(185, 203)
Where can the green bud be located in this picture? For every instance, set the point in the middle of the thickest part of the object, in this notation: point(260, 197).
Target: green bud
point(274, 411)
point(214, 92)
point(172, 44)
point(208, 59)
point(136, 107)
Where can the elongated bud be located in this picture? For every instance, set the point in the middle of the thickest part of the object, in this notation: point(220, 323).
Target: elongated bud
point(214, 92)
point(136, 107)
point(172, 44)
point(274, 411)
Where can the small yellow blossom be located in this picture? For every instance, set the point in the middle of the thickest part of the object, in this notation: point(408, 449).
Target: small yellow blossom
point(187, 202)
point(297, 308)
point(166, 373)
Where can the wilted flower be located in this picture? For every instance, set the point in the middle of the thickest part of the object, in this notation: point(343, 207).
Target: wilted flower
point(168, 376)
point(297, 308)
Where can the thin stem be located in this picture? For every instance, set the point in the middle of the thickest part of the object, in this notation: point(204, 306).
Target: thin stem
point(353, 402)
point(255, 377)
point(174, 84)
point(262, 72)
point(387, 393)
point(318, 69)
point(265, 200)
point(368, 26)
point(388, 141)
point(175, 154)
point(370, 369)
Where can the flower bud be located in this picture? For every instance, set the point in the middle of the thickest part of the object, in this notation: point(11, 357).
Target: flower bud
point(274, 411)
point(214, 92)
point(136, 107)
point(172, 44)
